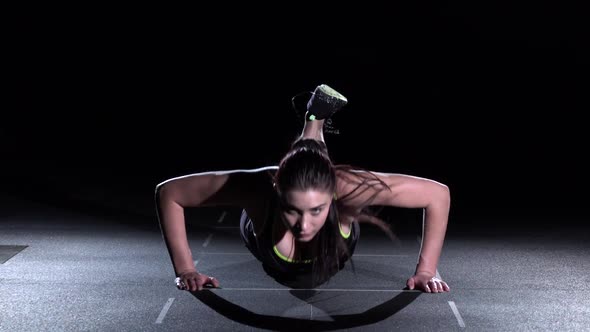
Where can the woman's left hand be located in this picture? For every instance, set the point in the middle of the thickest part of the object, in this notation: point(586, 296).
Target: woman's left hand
point(427, 283)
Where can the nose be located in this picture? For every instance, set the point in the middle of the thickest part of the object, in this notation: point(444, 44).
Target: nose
point(304, 223)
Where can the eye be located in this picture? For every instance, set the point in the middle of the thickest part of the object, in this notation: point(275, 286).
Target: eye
point(290, 211)
point(316, 211)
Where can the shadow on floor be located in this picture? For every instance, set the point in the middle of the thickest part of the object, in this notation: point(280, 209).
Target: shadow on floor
point(244, 316)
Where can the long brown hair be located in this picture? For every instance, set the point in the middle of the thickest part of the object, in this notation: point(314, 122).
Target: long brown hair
point(306, 166)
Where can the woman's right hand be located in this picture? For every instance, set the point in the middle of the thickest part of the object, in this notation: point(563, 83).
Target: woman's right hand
point(195, 281)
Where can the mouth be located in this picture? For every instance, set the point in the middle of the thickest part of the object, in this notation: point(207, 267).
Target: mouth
point(304, 236)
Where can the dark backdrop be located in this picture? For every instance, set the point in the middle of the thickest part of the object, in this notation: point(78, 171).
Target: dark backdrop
point(489, 100)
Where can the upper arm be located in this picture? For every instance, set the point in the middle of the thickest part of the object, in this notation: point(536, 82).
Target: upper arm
point(231, 188)
point(388, 189)
point(411, 191)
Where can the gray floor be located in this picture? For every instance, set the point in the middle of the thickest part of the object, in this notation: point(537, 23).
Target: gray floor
point(85, 272)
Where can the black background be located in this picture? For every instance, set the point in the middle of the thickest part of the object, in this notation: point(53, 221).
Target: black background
point(488, 99)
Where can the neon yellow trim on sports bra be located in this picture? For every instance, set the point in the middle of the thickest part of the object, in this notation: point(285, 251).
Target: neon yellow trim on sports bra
point(287, 259)
point(346, 236)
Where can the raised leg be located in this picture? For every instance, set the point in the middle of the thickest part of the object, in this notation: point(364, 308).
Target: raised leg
point(313, 129)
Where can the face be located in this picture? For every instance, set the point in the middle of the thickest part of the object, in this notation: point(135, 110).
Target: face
point(305, 212)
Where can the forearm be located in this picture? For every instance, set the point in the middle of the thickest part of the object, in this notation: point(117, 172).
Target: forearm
point(433, 235)
point(174, 195)
point(172, 224)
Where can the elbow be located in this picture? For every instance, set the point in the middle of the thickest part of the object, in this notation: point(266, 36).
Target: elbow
point(441, 197)
point(444, 196)
point(167, 193)
point(161, 191)
point(158, 191)
point(164, 199)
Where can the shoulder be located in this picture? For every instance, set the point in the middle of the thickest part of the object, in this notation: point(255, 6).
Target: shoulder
point(354, 187)
point(252, 174)
point(361, 188)
point(349, 179)
point(237, 187)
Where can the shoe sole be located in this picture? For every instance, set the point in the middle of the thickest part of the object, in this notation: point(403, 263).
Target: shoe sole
point(328, 91)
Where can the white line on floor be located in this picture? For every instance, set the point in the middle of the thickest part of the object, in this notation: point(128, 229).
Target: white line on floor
point(451, 303)
point(457, 314)
point(196, 262)
point(220, 220)
point(164, 311)
point(247, 253)
point(371, 255)
point(206, 243)
point(315, 289)
point(225, 253)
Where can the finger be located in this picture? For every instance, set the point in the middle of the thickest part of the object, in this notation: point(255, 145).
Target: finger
point(208, 283)
point(437, 288)
point(427, 288)
point(214, 282)
point(410, 283)
point(203, 283)
point(432, 285)
point(192, 284)
point(446, 287)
